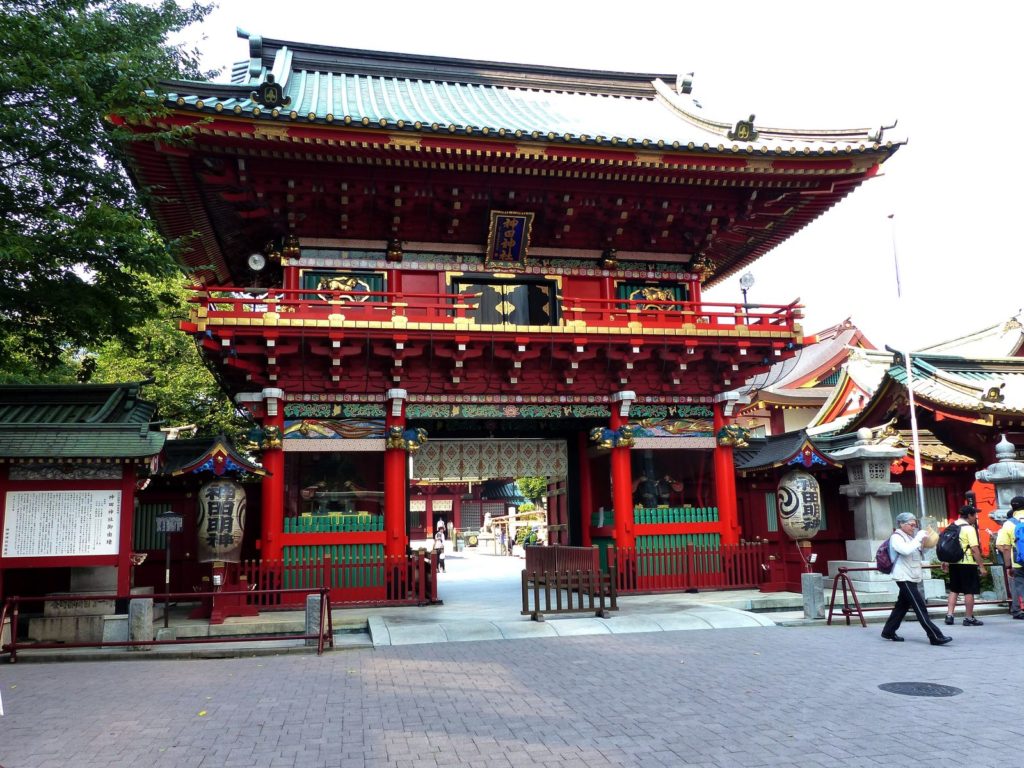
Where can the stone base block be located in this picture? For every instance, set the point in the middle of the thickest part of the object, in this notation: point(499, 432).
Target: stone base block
point(5, 632)
point(862, 549)
point(66, 629)
point(934, 589)
point(72, 607)
point(115, 628)
point(874, 587)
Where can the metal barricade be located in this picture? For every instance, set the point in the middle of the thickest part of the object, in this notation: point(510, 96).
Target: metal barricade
point(12, 605)
point(850, 594)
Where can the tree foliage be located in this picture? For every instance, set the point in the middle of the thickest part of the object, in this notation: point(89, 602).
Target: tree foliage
point(533, 488)
point(73, 233)
point(183, 389)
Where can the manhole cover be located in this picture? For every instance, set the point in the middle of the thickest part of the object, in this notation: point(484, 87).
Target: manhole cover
point(921, 689)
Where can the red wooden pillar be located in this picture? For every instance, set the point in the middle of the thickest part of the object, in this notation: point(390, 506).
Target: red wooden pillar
point(725, 482)
point(622, 473)
point(272, 502)
point(395, 464)
point(586, 492)
point(124, 562)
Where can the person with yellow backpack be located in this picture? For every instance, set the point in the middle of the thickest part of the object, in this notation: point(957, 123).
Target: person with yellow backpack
point(1006, 543)
point(965, 575)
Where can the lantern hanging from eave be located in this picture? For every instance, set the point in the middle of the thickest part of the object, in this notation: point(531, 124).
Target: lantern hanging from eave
point(221, 522)
point(799, 503)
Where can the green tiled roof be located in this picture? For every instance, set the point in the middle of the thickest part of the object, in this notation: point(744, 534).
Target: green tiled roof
point(436, 94)
point(965, 384)
point(103, 421)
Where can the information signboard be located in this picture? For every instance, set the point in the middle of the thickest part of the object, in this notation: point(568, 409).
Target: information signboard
point(61, 523)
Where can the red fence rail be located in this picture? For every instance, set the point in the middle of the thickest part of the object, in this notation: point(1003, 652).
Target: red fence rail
point(730, 566)
point(393, 580)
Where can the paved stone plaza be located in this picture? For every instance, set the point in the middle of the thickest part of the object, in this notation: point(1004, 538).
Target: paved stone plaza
point(771, 696)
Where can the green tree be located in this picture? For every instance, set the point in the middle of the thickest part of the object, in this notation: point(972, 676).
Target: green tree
point(533, 488)
point(184, 390)
point(73, 233)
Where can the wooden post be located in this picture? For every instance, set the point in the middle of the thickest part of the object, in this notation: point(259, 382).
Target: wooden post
point(395, 466)
point(124, 563)
point(272, 526)
point(622, 477)
point(725, 483)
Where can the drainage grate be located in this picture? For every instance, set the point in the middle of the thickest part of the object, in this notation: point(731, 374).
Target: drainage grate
point(921, 689)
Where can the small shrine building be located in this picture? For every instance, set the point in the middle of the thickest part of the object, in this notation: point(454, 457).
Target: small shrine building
point(73, 459)
point(427, 270)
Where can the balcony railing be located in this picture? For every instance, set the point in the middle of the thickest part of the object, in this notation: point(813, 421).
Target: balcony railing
point(456, 310)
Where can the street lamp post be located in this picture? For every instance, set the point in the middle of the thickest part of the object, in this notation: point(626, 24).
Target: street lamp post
point(746, 282)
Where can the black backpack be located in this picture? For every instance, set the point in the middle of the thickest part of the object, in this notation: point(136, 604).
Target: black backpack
point(949, 549)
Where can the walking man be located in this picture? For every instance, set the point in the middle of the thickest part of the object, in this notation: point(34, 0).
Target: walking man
point(906, 542)
point(965, 576)
point(1006, 543)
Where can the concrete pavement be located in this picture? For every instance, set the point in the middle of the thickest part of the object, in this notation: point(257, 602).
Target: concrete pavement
point(805, 697)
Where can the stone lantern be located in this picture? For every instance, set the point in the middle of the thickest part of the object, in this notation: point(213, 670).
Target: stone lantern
point(869, 488)
point(868, 466)
point(1007, 475)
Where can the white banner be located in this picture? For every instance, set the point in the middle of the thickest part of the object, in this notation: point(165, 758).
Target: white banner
point(61, 523)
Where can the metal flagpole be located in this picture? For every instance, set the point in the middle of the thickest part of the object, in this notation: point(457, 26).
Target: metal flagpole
point(908, 363)
point(915, 442)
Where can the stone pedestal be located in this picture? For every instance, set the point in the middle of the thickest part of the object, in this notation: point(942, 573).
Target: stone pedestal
point(1007, 475)
point(140, 623)
point(312, 618)
point(71, 620)
point(812, 585)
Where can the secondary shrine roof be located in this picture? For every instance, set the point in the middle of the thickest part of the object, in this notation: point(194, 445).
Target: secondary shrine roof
point(808, 378)
point(203, 454)
point(1004, 339)
point(85, 421)
point(982, 390)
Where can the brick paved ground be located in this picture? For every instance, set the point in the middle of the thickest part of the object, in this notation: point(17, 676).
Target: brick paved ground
point(804, 697)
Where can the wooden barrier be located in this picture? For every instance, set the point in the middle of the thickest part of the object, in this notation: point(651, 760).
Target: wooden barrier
point(562, 592)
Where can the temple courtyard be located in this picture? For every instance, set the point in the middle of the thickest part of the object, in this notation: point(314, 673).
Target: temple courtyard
point(756, 696)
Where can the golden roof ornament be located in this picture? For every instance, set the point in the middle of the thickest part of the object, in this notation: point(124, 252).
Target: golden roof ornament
point(394, 250)
point(290, 249)
point(702, 267)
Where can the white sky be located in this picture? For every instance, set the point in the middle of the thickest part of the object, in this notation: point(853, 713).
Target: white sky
point(949, 72)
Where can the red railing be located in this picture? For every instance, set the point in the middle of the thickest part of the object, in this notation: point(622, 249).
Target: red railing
point(560, 558)
point(380, 306)
point(736, 566)
point(396, 580)
point(709, 315)
point(12, 608)
point(384, 306)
